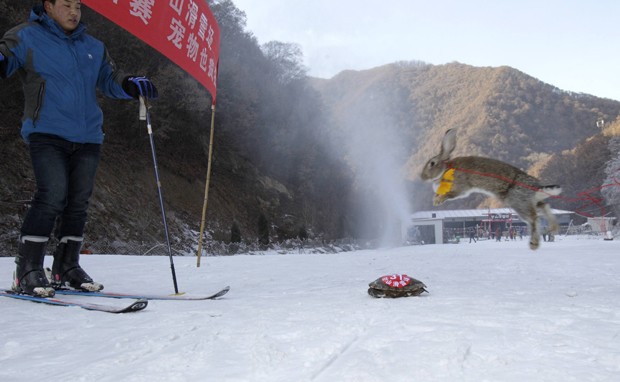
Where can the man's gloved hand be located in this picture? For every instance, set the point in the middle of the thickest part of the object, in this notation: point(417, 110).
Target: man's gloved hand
point(136, 86)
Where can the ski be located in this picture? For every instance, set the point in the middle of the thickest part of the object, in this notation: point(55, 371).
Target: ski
point(135, 306)
point(139, 296)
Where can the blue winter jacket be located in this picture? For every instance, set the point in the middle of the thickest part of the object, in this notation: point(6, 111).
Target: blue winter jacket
point(60, 74)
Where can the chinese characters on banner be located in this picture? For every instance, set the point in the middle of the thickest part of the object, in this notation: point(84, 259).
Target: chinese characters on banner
point(185, 31)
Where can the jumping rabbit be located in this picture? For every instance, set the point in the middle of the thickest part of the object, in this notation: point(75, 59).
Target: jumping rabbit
point(459, 177)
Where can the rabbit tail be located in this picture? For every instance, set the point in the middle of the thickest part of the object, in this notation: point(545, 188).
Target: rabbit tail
point(546, 191)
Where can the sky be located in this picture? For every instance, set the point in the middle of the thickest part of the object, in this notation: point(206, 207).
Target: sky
point(570, 44)
point(494, 311)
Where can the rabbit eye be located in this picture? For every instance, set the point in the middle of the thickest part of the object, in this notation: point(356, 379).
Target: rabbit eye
point(433, 163)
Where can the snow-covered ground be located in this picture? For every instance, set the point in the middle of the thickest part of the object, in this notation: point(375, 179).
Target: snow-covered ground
point(495, 312)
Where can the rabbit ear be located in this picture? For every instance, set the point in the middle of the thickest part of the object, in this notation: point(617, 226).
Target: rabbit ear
point(448, 144)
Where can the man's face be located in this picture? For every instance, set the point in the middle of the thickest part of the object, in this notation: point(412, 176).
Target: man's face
point(66, 13)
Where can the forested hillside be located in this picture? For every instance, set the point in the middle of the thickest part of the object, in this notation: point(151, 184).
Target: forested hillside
point(296, 156)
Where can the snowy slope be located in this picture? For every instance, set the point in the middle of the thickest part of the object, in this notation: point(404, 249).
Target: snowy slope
point(495, 312)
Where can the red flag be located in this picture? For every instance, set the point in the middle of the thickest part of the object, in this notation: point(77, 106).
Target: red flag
point(185, 31)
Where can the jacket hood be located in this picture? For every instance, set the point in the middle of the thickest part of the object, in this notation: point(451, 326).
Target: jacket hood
point(38, 14)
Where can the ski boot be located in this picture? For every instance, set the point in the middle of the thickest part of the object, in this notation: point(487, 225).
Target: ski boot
point(29, 277)
point(66, 270)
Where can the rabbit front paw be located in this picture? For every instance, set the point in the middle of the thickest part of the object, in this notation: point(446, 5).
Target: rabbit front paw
point(439, 199)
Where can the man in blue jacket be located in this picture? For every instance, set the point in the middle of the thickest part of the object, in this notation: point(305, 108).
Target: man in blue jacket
point(61, 67)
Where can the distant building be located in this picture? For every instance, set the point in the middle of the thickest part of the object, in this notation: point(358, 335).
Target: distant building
point(434, 227)
point(600, 225)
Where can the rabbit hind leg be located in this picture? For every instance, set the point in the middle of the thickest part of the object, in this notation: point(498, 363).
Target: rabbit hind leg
point(529, 215)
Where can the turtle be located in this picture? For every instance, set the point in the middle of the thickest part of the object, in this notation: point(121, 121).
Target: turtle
point(396, 285)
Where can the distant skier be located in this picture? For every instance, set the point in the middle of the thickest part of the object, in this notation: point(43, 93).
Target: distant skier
point(472, 235)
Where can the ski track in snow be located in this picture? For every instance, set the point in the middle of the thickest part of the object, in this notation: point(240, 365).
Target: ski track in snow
point(495, 312)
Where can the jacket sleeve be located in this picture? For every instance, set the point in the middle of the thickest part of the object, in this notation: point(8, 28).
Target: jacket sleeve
point(14, 52)
point(110, 80)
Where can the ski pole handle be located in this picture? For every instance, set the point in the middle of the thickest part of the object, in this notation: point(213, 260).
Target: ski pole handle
point(142, 108)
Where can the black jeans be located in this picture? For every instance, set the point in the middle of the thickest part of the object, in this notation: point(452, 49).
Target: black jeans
point(65, 175)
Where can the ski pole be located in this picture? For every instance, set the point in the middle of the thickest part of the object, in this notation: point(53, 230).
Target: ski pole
point(145, 115)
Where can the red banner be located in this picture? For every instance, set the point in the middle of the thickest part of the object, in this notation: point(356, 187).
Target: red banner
point(185, 31)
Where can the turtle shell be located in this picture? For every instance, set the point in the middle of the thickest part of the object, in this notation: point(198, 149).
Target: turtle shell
point(396, 285)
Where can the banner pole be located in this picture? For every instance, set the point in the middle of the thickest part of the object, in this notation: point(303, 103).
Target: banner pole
point(204, 206)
